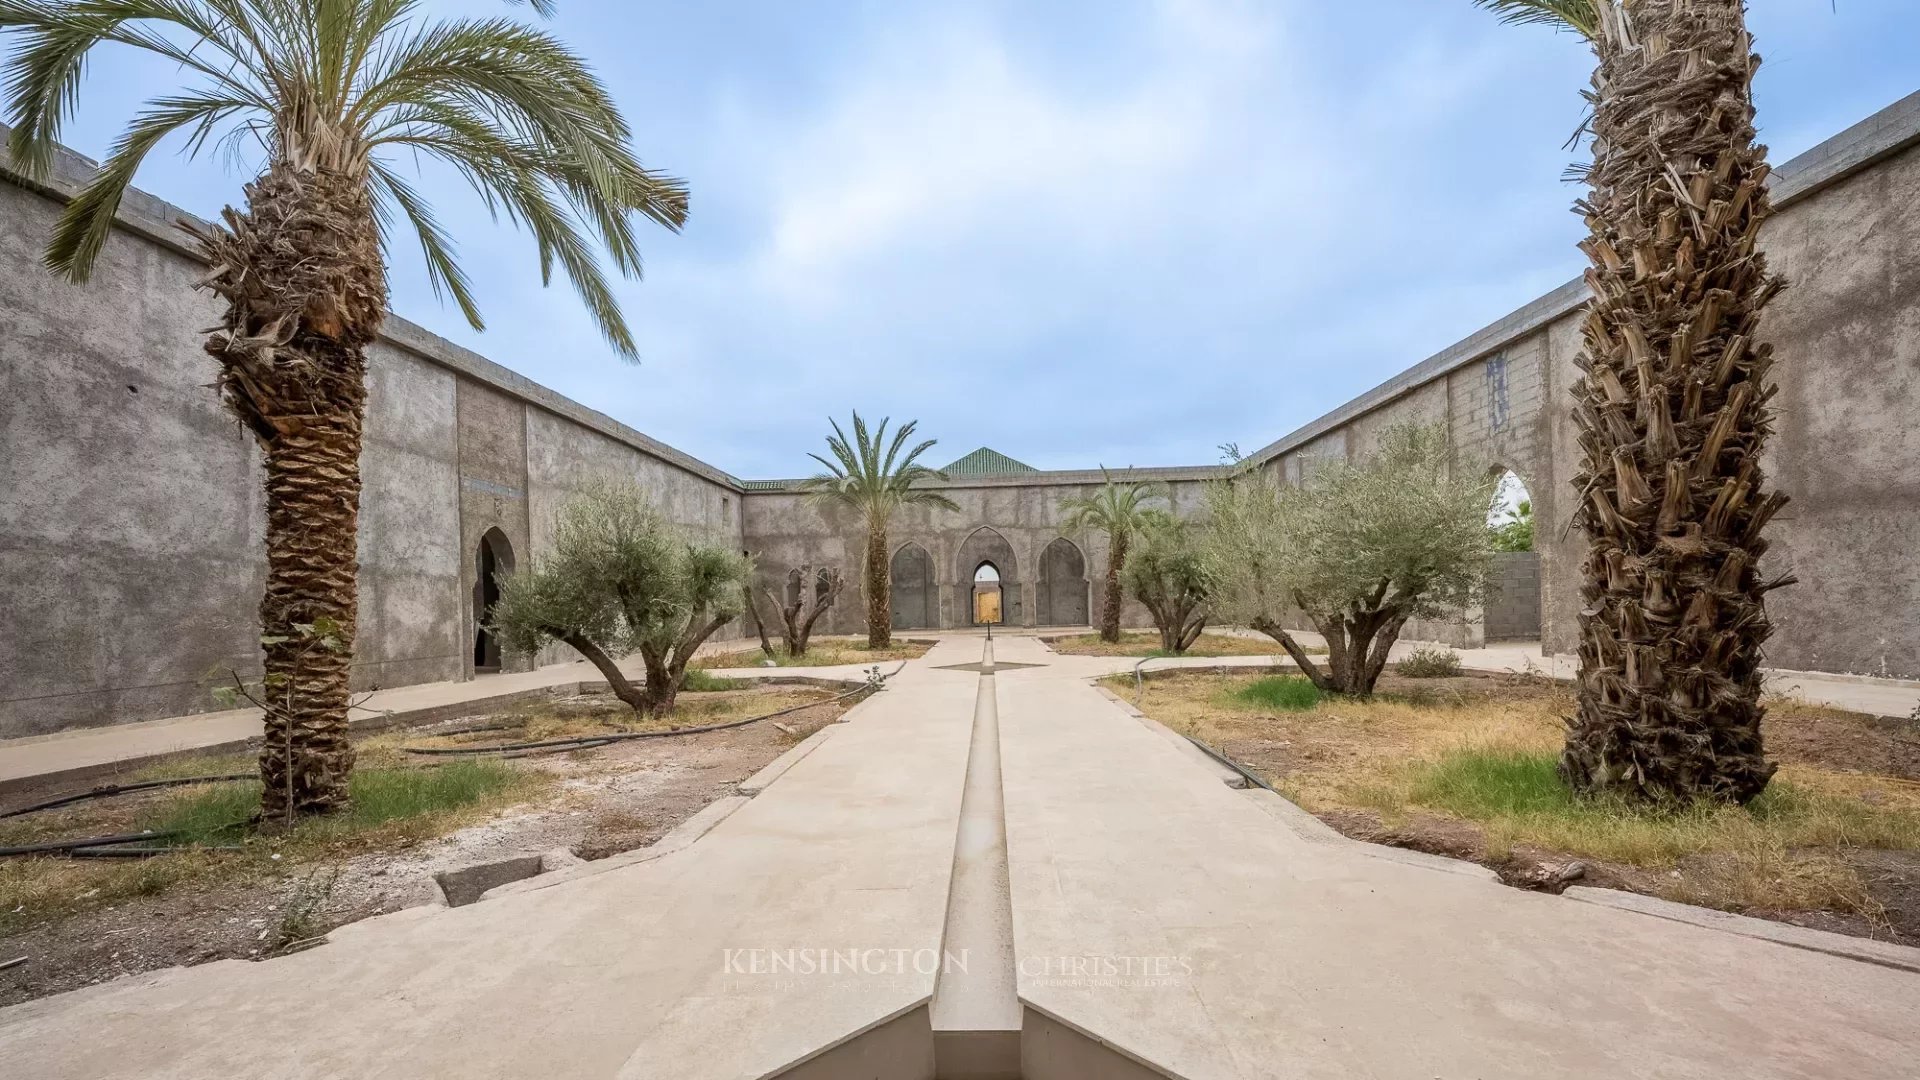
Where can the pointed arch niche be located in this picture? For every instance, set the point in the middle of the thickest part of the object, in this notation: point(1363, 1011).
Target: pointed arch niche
point(1062, 596)
point(913, 592)
point(987, 547)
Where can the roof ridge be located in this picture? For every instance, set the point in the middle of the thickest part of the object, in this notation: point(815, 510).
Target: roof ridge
point(986, 461)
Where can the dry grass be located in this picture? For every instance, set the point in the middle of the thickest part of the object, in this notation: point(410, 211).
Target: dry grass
point(820, 653)
point(395, 805)
point(1482, 751)
point(399, 800)
point(1135, 643)
point(602, 714)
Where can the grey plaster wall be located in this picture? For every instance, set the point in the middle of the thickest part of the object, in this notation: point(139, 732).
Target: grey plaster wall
point(128, 500)
point(1848, 449)
point(1847, 333)
point(784, 530)
point(131, 514)
point(1512, 608)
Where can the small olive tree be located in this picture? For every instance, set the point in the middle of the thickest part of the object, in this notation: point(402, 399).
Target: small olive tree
point(622, 578)
point(810, 594)
point(1171, 578)
point(1359, 549)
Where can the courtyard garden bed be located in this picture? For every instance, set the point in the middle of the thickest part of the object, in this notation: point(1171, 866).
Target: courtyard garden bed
point(820, 653)
point(1147, 643)
point(81, 921)
point(1464, 767)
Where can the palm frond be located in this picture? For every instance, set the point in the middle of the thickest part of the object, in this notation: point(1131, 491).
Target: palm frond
point(87, 221)
point(443, 268)
point(336, 82)
point(1579, 16)
point(870, 474)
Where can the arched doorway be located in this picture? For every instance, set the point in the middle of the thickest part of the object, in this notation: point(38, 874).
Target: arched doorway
point(1062, 597)
point(1511, 610)
point(494, 560)
point(912, 589)
point(987, 546)
point(986, 607)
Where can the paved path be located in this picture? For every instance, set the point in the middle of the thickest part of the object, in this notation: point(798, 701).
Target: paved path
point(1855, 693)
point(1162, 924)
point(97, 750)
point(94, 752)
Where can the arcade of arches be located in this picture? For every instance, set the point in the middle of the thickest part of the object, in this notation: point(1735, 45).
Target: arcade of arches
point(924, 598)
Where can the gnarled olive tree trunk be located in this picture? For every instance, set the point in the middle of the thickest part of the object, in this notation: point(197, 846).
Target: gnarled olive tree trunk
point(306, 290)
point(1673, 412)
point(1358, 643)
point(798, 615)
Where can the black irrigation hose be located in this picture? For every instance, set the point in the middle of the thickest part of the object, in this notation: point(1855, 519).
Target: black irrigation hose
point(110, 847)
point(145, 852)
point(55, 846)
point(105, 790)
point(1223, 759)
point(588, 742)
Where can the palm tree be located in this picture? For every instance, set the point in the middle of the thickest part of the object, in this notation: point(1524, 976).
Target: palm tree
point(1673, 406)
point(334, 91)
point(1120, 511)
point(875, 485)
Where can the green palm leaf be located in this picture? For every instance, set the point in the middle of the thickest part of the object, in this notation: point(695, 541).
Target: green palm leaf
point(352, 86)
point(1579, 16)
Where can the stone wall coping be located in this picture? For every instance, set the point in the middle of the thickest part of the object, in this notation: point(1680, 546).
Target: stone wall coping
point(1039, 478)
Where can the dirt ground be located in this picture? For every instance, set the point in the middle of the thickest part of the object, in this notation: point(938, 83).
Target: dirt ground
point(598, 802)
point(1344, 761)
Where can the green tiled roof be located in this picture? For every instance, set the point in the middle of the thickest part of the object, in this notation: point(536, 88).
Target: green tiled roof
point(987, 462)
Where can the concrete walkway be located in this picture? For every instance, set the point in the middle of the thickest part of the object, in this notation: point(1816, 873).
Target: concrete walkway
point(1162, 923)
point(87, 753)
point(1854, 693)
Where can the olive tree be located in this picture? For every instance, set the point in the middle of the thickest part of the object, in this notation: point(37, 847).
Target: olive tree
point(810, 594)
point(1169, 575)
point(1358, 549)
point(622, 578)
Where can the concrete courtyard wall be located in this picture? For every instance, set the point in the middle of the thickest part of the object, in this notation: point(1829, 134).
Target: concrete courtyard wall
point(1847, 332)
point(131, 513)
point(785, 530)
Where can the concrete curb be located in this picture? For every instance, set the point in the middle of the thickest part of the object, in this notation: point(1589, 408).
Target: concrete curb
point(1770, 675)
point(775, 769)
point(1866, 950)
point(1313, 830)
point(1301, 823)
point(680, 836)
point(1227, 776)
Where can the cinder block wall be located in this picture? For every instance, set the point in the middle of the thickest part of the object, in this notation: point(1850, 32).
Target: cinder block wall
point(1511, 611)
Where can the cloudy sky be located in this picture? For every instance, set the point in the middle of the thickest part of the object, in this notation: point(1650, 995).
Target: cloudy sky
point(1105, 232)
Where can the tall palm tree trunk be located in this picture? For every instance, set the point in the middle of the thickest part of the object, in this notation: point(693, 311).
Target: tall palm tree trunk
point(879, 591)
point(1110, 603)
point(306, 291)
point(1672, 412)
